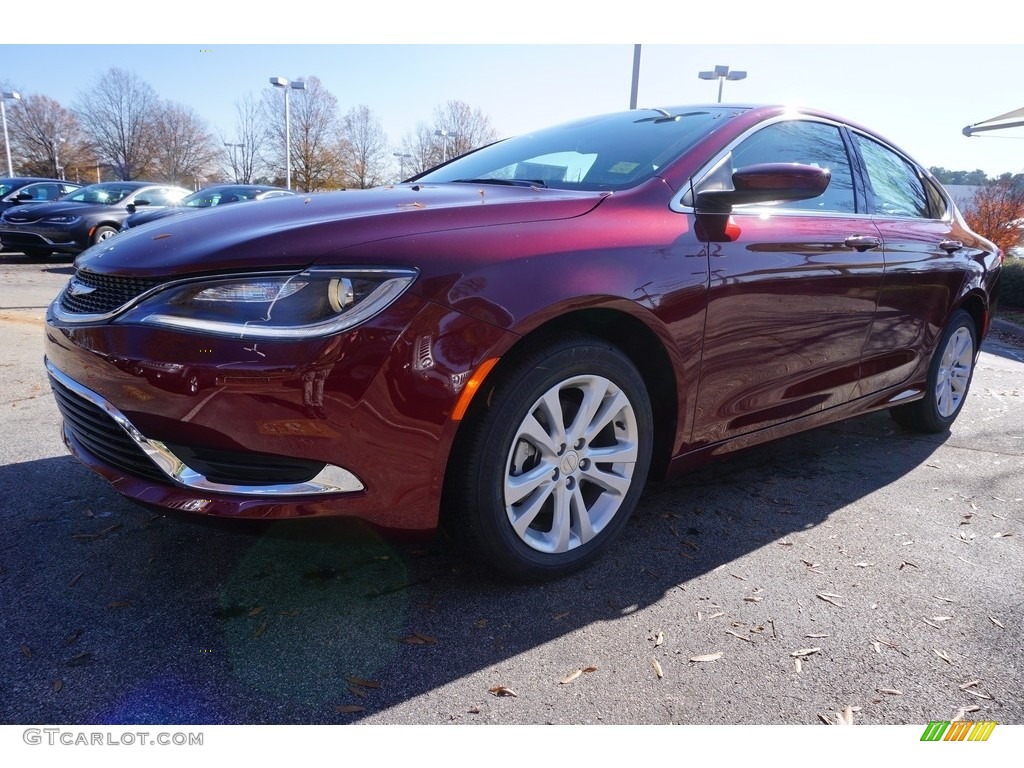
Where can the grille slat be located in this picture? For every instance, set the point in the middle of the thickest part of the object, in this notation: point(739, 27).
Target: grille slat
point(101, 436)
point(109, 292)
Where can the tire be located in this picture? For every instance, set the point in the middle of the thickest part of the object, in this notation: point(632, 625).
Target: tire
point(949, 379)
point(526, 493)
point(102, 233)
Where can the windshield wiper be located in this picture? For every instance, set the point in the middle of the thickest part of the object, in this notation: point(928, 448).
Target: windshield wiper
point(503, 182)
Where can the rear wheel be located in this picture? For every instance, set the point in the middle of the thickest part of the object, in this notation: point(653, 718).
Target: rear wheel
point(949, 379)
point(554, 459)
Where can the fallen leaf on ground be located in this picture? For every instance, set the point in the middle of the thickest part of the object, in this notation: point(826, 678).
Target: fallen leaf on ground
point(26, 652)
point(260, 630)
point(349, 709)
point(805, 652)
point(820, 634)
point(979, 695)
point(659, 639)
point(963, 711)
point(997, 622)
point(969, 684)
point(942, 655)
point(57, 685)
point(890, 691)
point(829, 598)
point(737, 634)
point(657, 668)
point(570, 677)
point(362, 683)
point(502, 690)
point(707, 657)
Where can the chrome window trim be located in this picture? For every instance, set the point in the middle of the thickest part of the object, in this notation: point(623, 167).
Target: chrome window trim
point(678, 206)
point(331, 479)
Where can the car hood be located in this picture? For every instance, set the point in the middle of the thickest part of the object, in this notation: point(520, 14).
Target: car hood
point(45, 210)
point(298, 231)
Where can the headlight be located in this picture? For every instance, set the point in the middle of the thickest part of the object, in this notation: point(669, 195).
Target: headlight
point(317, 302)
point(67, 219)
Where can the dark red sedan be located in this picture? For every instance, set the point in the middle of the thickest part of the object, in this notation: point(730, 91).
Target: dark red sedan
point(511, 343)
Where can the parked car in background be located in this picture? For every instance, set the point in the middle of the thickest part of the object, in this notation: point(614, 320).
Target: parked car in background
point(21, 190)
point(223, 194)
point(510, 344)
point(82, 218)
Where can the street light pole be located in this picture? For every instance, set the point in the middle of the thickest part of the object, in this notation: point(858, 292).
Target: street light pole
point(298, 85)
point(402, 156)
point(721, 73)
point(58, 171)
point(444, 143)
point(4, 96)
point(234, 161)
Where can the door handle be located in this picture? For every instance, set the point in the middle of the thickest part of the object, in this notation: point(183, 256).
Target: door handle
point(862, 242)
point(951, 246)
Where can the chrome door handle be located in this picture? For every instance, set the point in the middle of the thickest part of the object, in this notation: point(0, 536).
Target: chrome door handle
point(862, 242)
point(951, 246)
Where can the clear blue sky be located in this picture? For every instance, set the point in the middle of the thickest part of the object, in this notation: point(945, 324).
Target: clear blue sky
point(536, 65)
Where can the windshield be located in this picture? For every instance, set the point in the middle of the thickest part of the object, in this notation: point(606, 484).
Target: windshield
point(106, 193)
point(608, 152)
point(206, 198)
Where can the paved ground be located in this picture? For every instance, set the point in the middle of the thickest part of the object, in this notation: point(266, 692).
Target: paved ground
point(855, 566)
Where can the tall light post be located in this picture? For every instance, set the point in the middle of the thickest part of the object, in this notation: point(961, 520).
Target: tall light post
point(56, 157)
point(444, 135)
point(298, 85)
point(402, 157)
point(721, 73)
point(234, 161)
point(4, 96)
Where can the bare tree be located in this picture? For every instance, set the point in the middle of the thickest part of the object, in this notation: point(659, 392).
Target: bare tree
point(118, 117)
point(457, 129)
point(315, 152)
point(46, 139)
point(242, 154)
point(185, 151)
point(364, 149)
point(462, 128)
point(422, 150)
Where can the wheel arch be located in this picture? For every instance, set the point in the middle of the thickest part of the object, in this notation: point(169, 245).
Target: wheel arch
point(974, 304)
point(641, 345)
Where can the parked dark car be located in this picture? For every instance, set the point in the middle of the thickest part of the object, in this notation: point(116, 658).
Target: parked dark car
point(85, 217)
point(22, 190)
point(512, 343)
point(209, 197)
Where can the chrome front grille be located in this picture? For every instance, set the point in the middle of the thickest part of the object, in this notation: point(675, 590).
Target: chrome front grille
point(89, 293)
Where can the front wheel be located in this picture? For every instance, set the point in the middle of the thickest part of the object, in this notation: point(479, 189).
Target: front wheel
point(553, 460)
point(949, 378)
point(103, 233)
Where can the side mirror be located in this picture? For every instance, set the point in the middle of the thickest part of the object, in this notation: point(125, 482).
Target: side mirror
point(766, 183)
point(130, 207)
point(140, 201)
point(21, 197)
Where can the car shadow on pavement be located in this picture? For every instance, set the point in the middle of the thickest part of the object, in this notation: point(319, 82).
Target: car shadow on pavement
point(124, 615)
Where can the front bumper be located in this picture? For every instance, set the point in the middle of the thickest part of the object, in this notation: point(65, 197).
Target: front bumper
point(51, 238)
point(354, 425)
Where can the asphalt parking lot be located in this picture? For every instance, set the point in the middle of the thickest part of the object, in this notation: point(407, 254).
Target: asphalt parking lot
point(856, 571)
